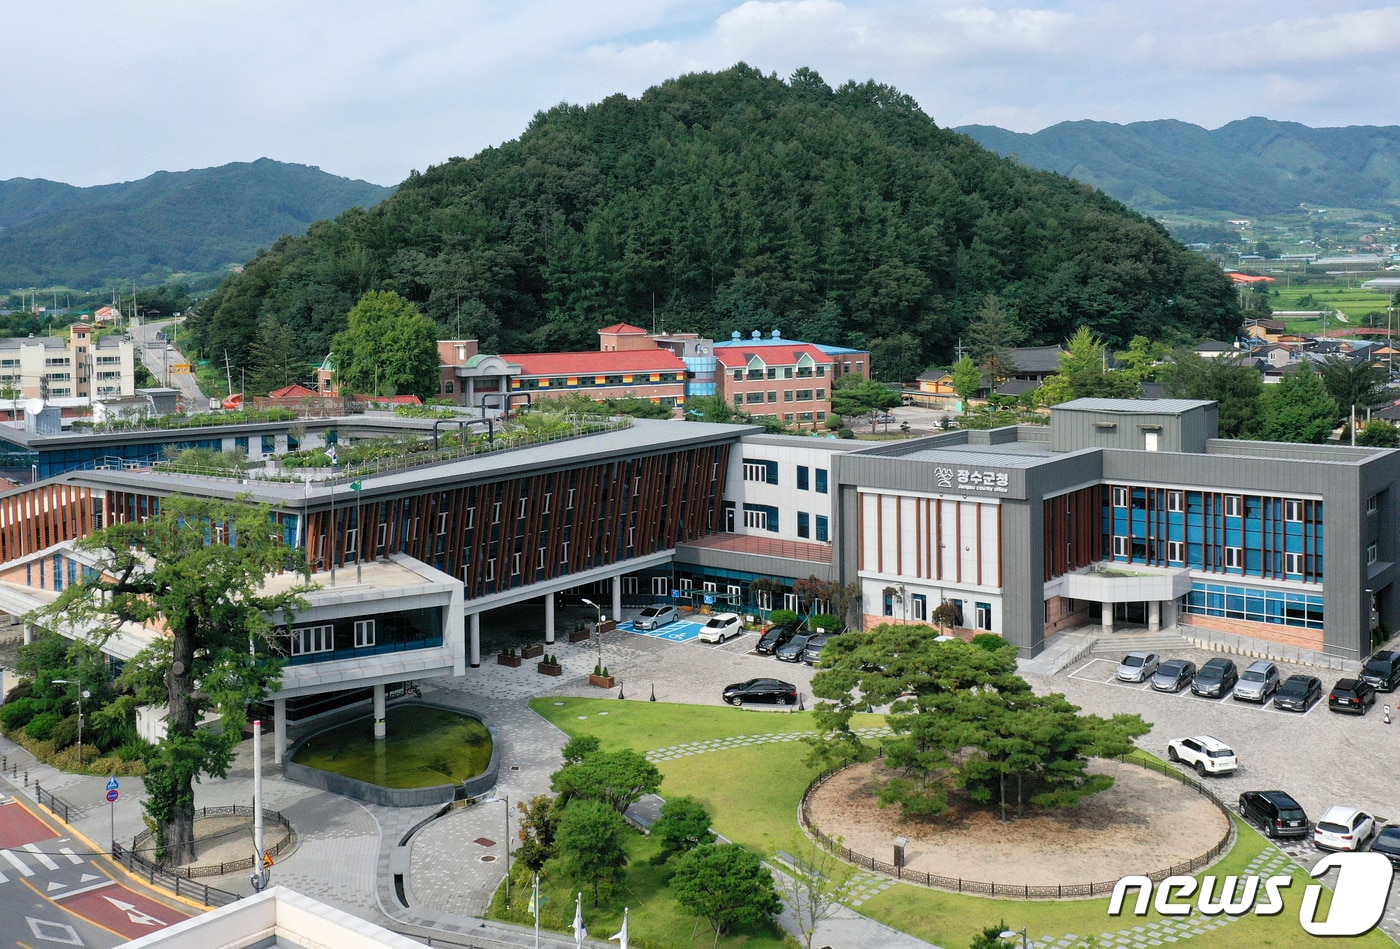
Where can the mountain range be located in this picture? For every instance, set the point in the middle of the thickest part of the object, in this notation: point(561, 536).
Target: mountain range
point(183, 223)
point(1251, 167)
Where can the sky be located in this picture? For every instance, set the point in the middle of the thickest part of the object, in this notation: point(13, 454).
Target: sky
point(95, 92)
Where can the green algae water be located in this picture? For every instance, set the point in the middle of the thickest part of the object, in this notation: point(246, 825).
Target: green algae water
point(423, 747)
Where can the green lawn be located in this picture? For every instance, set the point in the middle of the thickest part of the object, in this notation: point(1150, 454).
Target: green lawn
point(1355, 302)
point(753, 793)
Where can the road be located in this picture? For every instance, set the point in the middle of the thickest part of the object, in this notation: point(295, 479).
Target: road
point(159, 356)
point(55, 890)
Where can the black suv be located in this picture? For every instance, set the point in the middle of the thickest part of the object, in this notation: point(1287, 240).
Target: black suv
point(775, 636)
point(1351, 695)
point(1277, 814)
point(1382, 670)
point(1216, 678)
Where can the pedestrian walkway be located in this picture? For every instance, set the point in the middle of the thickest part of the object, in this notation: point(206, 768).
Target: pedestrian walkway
point(672, 752)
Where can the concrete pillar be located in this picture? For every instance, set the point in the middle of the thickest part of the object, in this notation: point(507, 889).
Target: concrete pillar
point(474, 646)
point(1106, 616)
point(617, 599)
point(379, 728)
point(1154, 615)
point(28, 634)
point(549, 619)
point(279, 729)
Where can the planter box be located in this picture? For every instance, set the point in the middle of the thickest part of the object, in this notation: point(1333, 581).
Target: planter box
point(532, 652)
point(549, 668)
point(602, 682)
point(504, 660)
point(580, 635)
point(608, 626)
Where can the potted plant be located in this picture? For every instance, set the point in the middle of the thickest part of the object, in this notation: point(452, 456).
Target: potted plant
point(580, 633)
point(550, 666)
point(600, 677)
point(532, 651)
point(507, 657)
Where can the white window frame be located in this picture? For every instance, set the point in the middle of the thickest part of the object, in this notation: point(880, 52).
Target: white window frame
point(1292, 562)
point(756, 471)
point(1234, 558)
point(1176, 501)
point(756, 520)
point(1176, 551)
point(471, 517)
point(631, 536)
point(490, 570)
point(306, 640)
point(660, 586)
point(523, 503)
point(564, 551)
point(548, 495)
point(496, 513)
point(709, 586)
point(1120, 497)
point(1292, 509)
point(442, 523)
point(352, 540)
point(571, 498)
point(515, 564)
point(540, 563)
point(1122, 545)
point(364, 633)
point(1234, 505)
point(790, 601)
point(765, 600)
point(1372, 553)
point(919, 606)
point(1372, 504)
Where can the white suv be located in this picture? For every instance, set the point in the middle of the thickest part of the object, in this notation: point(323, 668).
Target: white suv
point(1204, 753)
point(721, 627)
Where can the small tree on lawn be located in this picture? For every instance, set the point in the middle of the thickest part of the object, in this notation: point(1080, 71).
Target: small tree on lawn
point(580, 747)
point(814, 884)
point(617, 778)
point(589, 840)
point(990, 938)
point(196, 570)
point(684, 824)
point(538, 826)
point(725, 884)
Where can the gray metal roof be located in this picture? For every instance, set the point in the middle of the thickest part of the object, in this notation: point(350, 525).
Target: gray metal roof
point(1012, 455)
point(1133, 406)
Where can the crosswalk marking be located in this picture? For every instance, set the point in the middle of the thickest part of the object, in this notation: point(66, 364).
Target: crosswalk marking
point(17, 863)
point(42, 857)
point(73, 858)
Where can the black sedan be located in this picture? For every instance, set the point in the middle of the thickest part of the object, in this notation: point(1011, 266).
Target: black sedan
point(1351, 695)
point(760, 690)
point(1388, 843)
point(1216, 678)
point(1173, 675)
point(773, 637)
point(792, 650)
point(1298, 693)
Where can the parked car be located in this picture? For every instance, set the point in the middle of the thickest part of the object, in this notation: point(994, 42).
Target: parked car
point(1388, 843)
point(1274, 812)
point(812, 654)
point(1382, 670)
point(1137, 666)
point(1298, 693)
point(1173, 675)
point(1216, 678)
point(1258, 682)
point(792, 650)
point(1206, 754)
point(1351, 695)
point(1343, 828)
point(721, 626)
point(760, 690)
point(654, 617)
point(775, 636)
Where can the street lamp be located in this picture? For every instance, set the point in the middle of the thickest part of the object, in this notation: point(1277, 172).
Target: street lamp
point(81, 695)
point(504, 799)
point(1013, 933)
point(597, 630)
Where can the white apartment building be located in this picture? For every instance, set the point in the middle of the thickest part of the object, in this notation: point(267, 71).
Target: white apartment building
point(76, 366)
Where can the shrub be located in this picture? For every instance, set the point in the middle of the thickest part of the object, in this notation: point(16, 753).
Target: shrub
point(988, 641)
point(17, 713)
point(41, 726)
point(133, 750)
point(22, 690)
point(782, 616)
point(823, 621)
point(65, 733)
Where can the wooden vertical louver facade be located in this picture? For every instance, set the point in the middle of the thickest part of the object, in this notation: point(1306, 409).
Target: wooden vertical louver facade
point(42, 516)
point(1073, 531)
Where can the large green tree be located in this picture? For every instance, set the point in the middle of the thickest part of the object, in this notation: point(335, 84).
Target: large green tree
point(961, 718)
point(589, 844)
point(616, 778)
point(853, 396)
point(992, 334)
point(1354, 382)
point(1297, 409)
point(684, 824)
point(1237, 389)
point(727, 885)
point(389, 348)
point(197, 570)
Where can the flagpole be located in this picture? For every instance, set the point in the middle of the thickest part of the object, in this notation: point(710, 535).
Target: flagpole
point(537, 911)
point(330, 533)
point(359, 574)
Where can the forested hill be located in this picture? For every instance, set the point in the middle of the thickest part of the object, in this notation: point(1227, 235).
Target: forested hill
point(186, 222)
point(730, 201)
point(1251, 167)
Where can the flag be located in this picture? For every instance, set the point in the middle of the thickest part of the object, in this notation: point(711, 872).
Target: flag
point(622, 936)
point(354, 485)
point(580, 931)
point(330, 453)
point(534, 908)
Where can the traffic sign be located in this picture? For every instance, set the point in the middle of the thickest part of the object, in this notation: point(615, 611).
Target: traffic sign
point(112, 796)
point(675, 594)
point(112, 784)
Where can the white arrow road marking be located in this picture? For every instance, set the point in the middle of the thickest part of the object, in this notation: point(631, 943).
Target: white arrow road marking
point(86, 877)
point(134, 914)
point(55, 886)
point(17, 863)
point(42, 857)
point(72, 857)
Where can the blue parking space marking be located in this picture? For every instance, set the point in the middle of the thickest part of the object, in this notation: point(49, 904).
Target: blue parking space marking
point(680, 632)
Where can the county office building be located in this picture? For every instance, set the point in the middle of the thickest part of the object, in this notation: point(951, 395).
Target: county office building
point(1128, 511)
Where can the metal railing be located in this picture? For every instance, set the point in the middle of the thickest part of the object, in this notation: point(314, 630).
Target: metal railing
point(53, 802)
point(171, 880)
point(1020, 890)
point(232, 866)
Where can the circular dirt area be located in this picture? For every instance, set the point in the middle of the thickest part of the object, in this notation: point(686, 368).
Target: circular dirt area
point(225, 838)
point(1145, 822)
